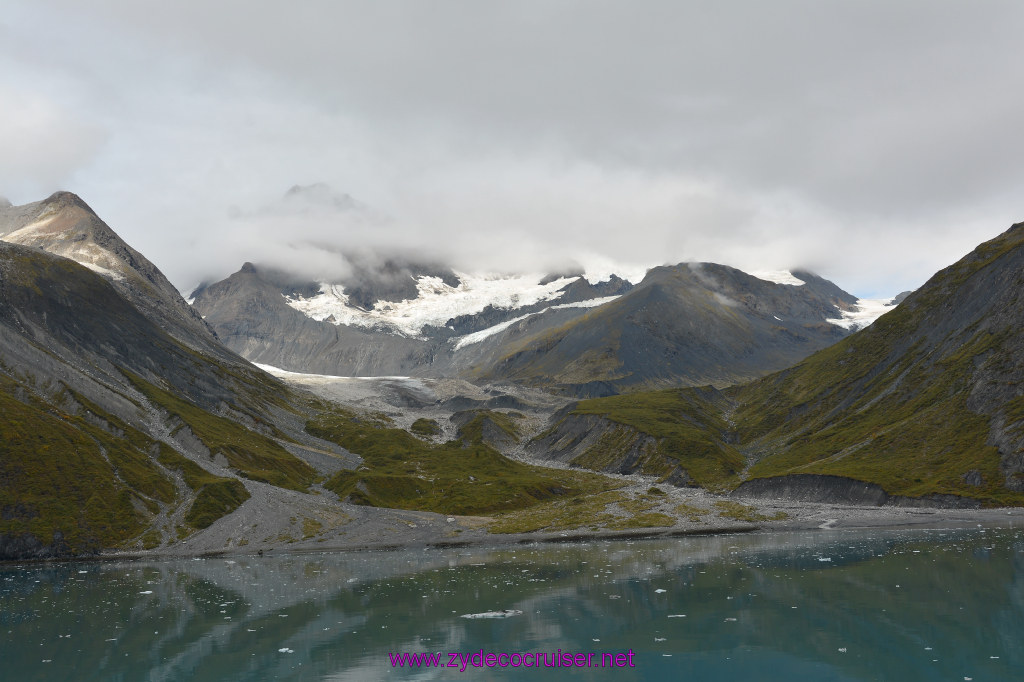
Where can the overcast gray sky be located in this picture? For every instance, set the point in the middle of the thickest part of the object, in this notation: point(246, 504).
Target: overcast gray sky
point(873, 142)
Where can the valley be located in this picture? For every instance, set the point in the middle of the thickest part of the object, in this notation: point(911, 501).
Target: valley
point(419, 405)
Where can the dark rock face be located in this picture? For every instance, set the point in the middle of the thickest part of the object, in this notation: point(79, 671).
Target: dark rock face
point(390, 280)
point(250, 315)
point(815, 488)
point(28, 546)
point(83, 319)
point(690, 324)
point(840, 490)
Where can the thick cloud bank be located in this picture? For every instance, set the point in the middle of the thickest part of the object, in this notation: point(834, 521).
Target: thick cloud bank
point(873, 142)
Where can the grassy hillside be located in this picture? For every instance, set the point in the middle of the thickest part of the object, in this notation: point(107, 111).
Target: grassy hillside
point(89, 481)
point(403, 472)
point(928, 400)
point(689, 430)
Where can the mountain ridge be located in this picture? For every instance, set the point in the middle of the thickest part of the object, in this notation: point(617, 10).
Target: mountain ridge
point(927, 403)
point(254, 312)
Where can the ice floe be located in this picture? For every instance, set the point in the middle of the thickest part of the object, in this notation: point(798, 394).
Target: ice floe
point(507, 613)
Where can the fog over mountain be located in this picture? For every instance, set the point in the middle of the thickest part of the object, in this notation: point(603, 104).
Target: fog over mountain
point(868, 142)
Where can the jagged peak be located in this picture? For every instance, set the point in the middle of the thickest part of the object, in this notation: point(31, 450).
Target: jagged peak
point(63, 198)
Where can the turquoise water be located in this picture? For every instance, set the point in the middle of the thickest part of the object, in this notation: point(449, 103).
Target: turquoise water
point(823, 605)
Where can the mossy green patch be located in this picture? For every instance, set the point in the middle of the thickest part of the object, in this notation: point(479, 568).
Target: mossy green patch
point(214, 501)
point(54, 477)
point(498, 422)
point(401, 471)
point(743, 512)
point(578, 512)
point(426, 428)
point(690, 512)
point(311, 528)
point(216, 496)
point(689, 431)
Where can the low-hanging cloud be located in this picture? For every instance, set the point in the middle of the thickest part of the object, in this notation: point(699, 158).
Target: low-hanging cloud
point(872, 142)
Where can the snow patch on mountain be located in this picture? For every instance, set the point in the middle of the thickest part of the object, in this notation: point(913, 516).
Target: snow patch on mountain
point(435, 304)
point(46, 233)
point(307, 377)
point(864, 313)
point(477, 337)
point(778, 277)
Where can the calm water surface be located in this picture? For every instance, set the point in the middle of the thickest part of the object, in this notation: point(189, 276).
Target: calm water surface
point(823, 605)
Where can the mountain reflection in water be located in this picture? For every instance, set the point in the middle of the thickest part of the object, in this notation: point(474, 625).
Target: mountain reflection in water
point(841, 605)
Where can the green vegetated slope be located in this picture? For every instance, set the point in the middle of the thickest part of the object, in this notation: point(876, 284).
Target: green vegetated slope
point(688, 429)
point(86, 380)
point(87, 481)
point(254, 455)
point(403, 472)
point(926, 401)
point(64, 480)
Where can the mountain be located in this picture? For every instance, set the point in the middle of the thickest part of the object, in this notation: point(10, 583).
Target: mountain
point(688, 324)
point(926, 405)
point(681, 325)
point(403, 319)
point(64, 225)
point(125, 424)
point(123, 419)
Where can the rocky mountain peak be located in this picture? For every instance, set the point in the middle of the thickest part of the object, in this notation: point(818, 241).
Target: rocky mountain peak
point(64, 224)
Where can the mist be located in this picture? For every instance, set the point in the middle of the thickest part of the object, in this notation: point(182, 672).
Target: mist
point(872, 143)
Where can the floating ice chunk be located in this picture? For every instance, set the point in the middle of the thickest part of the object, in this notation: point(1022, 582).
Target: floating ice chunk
point(494, 614)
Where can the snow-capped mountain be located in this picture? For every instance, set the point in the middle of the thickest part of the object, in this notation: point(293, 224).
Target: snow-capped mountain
point(690, 323)
point(435, 304)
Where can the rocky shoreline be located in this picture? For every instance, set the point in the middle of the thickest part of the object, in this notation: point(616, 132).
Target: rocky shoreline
point(373, 529)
